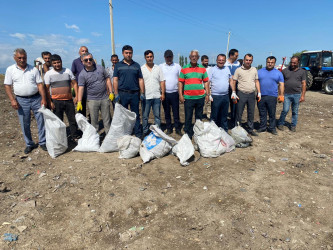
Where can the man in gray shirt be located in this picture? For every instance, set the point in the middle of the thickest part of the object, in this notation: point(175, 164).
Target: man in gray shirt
point(294, 92)
point(98, 86)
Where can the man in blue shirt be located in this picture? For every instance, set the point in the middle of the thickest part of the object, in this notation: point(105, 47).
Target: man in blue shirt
point(272, 87)
point(220, 80)
point(128, 85)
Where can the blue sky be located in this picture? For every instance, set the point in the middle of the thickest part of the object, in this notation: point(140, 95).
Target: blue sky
point(257, 27)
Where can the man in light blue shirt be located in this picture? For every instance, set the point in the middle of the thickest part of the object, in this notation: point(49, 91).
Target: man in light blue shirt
point(220, 79)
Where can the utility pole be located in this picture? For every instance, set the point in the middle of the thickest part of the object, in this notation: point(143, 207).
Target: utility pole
point(228, 42)
point(111, 24)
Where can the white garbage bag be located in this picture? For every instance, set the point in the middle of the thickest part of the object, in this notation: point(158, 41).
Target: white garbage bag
point(123, 122)
point(55, 131)
point(129, 146)
point(241, 137)
point(208, 138)
point(89, 142)
point(156, 145)
point(227, 141)
point(184, 149)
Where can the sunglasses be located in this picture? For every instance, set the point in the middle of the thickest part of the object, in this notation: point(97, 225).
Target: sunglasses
point(88, 60)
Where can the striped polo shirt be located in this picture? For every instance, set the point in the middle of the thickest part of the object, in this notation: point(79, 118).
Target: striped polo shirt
point(60, 83)
point(193, 78)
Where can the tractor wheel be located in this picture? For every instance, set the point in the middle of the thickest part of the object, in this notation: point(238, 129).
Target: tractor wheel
point(328, 86)
point(309, 80)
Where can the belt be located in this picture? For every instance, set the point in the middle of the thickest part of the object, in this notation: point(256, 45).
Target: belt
point(29, 96)
point(129, 91)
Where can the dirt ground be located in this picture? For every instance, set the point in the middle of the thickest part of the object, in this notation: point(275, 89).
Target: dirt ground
point(276, 194)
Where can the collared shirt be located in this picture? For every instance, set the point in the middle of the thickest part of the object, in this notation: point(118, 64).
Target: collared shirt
point(152, 81)
point(60, 83)
point(111, 74)
point(232, 66)
point(24, 81)
point(246, 79)
point(95, 82)
point(219, 80)
point(171, 73)
point(193, 78)
point(293, 80)
point(77, 67)
point(128, 75)
point(269, 81)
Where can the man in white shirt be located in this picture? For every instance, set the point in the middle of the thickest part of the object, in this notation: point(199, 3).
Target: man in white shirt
point(29, 92)
point(207, 107)
point(171, 72)
point(154, 90)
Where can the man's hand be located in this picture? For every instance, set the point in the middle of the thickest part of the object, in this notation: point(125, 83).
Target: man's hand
point(43, 102)
point(302, 99)
point(234, 96)
point(79, 107)
point(162, 97)
point(111, 97)
point(52, 105)
point(211, 98)
point(75, 100)
point(117, 98)
point(142, 96)
point(207, 99)
point(15, 104)
point(259, 97)
point(181, 99)
point(280, 98)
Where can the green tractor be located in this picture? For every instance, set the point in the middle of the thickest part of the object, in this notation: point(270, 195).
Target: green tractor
point(319, 69)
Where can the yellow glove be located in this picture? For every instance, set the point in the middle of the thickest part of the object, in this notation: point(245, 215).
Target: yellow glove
point(79, 106)
point(111, 96)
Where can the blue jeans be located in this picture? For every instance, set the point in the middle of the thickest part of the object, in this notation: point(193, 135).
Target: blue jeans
point(156, 105)
point(132, 99)
point(293, 100)
point(26, 105)
point(190, 106)
point(220, 106)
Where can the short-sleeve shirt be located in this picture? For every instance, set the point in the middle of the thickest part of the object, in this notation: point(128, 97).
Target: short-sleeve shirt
point(193, 78)
point(219, 80)
point(60, 83)
point(171, 73)
point(246, 79)
point(24, 81)
point(152, 80)
point(269, 81)
point(232, 66)
point(111, 74)
point(128, 75)
point(293, 80)
point(95, 82)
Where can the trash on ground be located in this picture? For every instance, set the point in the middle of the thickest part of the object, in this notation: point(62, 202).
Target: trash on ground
point(10, 237)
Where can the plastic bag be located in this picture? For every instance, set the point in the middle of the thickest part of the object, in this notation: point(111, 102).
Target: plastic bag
point(89, 142)
point(123, 122)
point(55, 130)
point(129, 146)
point(156, 145)
point(208, 138)
point(184, 149)
point(241, 137)
point(227, 141)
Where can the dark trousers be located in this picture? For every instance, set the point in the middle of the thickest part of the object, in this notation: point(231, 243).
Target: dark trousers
point(171, 101)
point(233, 109)
point(66, 106)
point(219, 115)
point(190, 105)
point(248, 100)
point(267, 104)
point(132, 99)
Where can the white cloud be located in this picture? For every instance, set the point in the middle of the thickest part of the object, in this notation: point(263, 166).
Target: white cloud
point(18, 35)
point(82, 41)
point(96, 34)
point(73, 27)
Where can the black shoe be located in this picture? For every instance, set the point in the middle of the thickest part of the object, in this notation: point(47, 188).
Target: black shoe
point(179, 132)
point(253, 133)
point(260, 130)
point(169, 131)
point(273, 132)
point(28, 149)
point(293, 129)
point(43, 147)
point(280, 127)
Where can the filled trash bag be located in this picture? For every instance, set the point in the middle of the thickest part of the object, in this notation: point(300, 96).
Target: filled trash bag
point(129, 146)
point(184, 149)
point(241, 137)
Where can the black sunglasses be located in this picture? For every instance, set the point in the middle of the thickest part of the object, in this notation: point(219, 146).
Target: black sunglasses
point(88, 60)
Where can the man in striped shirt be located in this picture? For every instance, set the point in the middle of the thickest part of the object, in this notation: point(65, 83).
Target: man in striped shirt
point(193, 90)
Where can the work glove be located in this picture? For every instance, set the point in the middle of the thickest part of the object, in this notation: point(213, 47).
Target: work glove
point(117, 98)
point(234, 97)
point(142, 96)
point(211, 98)
point(280, 98)
point(111, 96)
point(259, 97)
point(79, 106)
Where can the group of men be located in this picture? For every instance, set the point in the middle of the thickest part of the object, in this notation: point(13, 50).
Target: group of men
point(87, 84)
